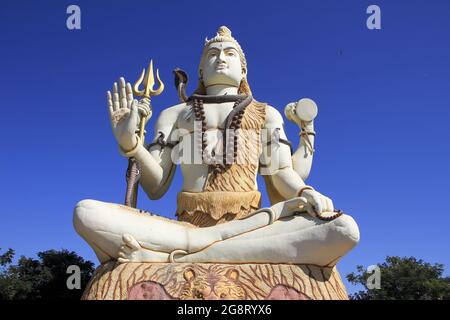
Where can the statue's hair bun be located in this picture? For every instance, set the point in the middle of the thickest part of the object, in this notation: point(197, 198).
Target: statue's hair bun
point(224, 32)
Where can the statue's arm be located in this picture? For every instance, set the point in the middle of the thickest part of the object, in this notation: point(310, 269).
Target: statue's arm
point(276, 157)
point(303, 157)
point(157, 167)
point(155, 163)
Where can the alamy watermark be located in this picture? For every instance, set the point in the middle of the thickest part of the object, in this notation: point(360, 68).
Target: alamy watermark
point(245, 147)
point(374, 280)
point(73, 21)
point(74, 280)
point(374, 20)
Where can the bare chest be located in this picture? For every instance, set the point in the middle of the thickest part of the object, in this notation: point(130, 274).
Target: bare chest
point(215, 115)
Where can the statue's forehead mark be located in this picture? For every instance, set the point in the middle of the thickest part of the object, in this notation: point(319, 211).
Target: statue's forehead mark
point(220, 46)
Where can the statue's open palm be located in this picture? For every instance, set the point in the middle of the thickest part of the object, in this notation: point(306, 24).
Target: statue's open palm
point(124, 114)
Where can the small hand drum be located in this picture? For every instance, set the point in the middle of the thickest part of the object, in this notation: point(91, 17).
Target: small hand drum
point(306, 109)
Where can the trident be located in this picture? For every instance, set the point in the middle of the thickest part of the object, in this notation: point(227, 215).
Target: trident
point(133, 170)
point(146, 93)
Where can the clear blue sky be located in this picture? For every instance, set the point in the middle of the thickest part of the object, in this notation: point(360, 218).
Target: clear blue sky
point(384, 108)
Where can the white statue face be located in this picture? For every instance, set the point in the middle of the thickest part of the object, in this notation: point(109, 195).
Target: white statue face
point(222, 65)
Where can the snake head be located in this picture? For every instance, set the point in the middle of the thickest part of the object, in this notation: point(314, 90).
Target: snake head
point(180, 77)
point(181, 80)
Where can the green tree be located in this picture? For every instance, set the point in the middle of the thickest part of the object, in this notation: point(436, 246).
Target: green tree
point(42, 278)
point(403, 279)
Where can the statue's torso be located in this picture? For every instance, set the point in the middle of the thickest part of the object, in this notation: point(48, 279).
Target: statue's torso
point(208, 198)
point(195, 174)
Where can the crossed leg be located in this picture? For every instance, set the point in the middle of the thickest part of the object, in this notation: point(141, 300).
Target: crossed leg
point(118, 232)
point(300, 239)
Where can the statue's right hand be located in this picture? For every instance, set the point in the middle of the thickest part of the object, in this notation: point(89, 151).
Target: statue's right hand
point(124, 115)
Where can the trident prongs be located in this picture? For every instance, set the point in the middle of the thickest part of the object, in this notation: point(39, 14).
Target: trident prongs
point(149, 81)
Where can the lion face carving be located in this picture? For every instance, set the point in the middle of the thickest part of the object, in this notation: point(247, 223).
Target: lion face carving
point(212, 284)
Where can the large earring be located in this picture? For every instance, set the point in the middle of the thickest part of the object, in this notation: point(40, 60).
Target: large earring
point(201, 86)
point(200, 78)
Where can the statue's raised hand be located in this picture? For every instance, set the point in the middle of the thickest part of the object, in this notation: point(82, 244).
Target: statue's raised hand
point(125, 113)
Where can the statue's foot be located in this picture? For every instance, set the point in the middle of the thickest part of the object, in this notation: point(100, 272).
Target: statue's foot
point(130, 250)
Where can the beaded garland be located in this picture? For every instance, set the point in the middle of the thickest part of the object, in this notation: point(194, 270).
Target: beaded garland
point(233, 122)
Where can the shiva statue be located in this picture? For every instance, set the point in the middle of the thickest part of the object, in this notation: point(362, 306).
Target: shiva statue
point(222, 138)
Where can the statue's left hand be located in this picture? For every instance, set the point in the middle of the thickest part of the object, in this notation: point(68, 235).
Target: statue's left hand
point(317, 202)
point(291, 115)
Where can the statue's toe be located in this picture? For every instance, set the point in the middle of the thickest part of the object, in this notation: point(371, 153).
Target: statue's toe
point(131, 242)
point(122, 260)
point(125, 249)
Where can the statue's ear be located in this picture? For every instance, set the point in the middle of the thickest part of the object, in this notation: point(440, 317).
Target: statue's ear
point(189, 274)
point(232, 274)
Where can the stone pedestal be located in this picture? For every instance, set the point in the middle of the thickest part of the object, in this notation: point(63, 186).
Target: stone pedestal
point(167, 281)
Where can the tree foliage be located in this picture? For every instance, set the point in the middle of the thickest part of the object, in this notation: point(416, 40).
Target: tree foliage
point(404, 278)
point(42, 278)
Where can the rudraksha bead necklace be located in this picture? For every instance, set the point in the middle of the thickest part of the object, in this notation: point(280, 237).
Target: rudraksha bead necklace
point(233, 123)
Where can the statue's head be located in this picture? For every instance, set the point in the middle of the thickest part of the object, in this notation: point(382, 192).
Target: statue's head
point(223, 62)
